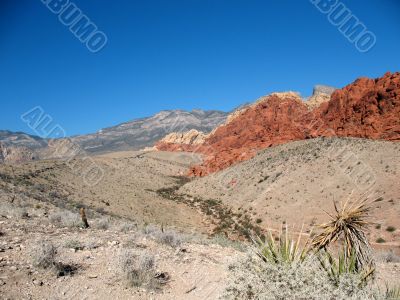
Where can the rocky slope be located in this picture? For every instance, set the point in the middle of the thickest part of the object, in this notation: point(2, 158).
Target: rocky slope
point(15, 154)
point(367, 108)
point(9, 138)
point(296, 182)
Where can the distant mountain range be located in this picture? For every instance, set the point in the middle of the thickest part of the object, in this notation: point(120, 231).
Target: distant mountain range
point(133, 135)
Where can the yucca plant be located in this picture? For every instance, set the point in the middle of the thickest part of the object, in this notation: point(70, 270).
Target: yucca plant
point(350, 223)
point(283, 250)
point(345, 264)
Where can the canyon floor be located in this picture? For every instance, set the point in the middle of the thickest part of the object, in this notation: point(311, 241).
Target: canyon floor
point(191, 229)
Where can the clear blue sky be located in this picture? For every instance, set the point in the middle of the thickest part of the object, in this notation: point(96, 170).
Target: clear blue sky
point(209, 54)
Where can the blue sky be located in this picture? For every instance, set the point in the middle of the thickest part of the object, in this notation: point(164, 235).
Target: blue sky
point(186, 54)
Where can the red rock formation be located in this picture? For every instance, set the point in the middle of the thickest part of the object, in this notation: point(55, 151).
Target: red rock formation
point(366, 108)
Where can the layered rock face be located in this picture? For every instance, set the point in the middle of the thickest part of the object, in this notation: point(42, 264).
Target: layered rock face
point(191, 137)
point(367, 108)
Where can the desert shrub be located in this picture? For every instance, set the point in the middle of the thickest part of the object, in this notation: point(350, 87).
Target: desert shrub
point(103, 223)
point(254, 278)
point(138, 269)
point(380, 240)
point(223, 241)
point(169, 237)
point(390, 229)
point(344, 265)
point(388, 257)
point(280, 268)
point(150, 230)
point(127, 226)
point(73, 244)
point(43, 254)
point(65, 218)
point(11, 210)
point(91, 244)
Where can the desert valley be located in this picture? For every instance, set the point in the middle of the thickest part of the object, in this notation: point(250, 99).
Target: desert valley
point(183, 200)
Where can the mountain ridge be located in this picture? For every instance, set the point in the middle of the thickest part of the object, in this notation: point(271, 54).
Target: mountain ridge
point(131, 135)
point(366, 108)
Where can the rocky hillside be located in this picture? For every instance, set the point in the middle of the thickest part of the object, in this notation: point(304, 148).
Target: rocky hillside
point(13, 154)
point(17, 139)
point(296, 182)
point(367, 108)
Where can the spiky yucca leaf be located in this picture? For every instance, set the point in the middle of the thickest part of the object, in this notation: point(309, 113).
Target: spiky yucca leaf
point(345, 264)
point(283, 250)
point(349, 222)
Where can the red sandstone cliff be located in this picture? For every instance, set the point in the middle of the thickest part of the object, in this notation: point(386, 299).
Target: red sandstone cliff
point(367, 108)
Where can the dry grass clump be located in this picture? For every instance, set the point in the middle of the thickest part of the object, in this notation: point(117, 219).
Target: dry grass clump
point(138, 269)
point(43, 254)
point(127, 227)
point(150, 230)
point(73, 244)
point(169, 237)
point(223, 241)
point(103, 223)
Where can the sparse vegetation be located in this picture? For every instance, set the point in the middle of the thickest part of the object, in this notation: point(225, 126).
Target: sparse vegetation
point(43, 254)
point(65, 218)
point(138, 269)
point(73, 244)
point(388, 257)
point(392, 293)
point(282, 269)
point(127, 227)
point(237, 224)
point(390, 229)
point(169, 237)
point(103, 223)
